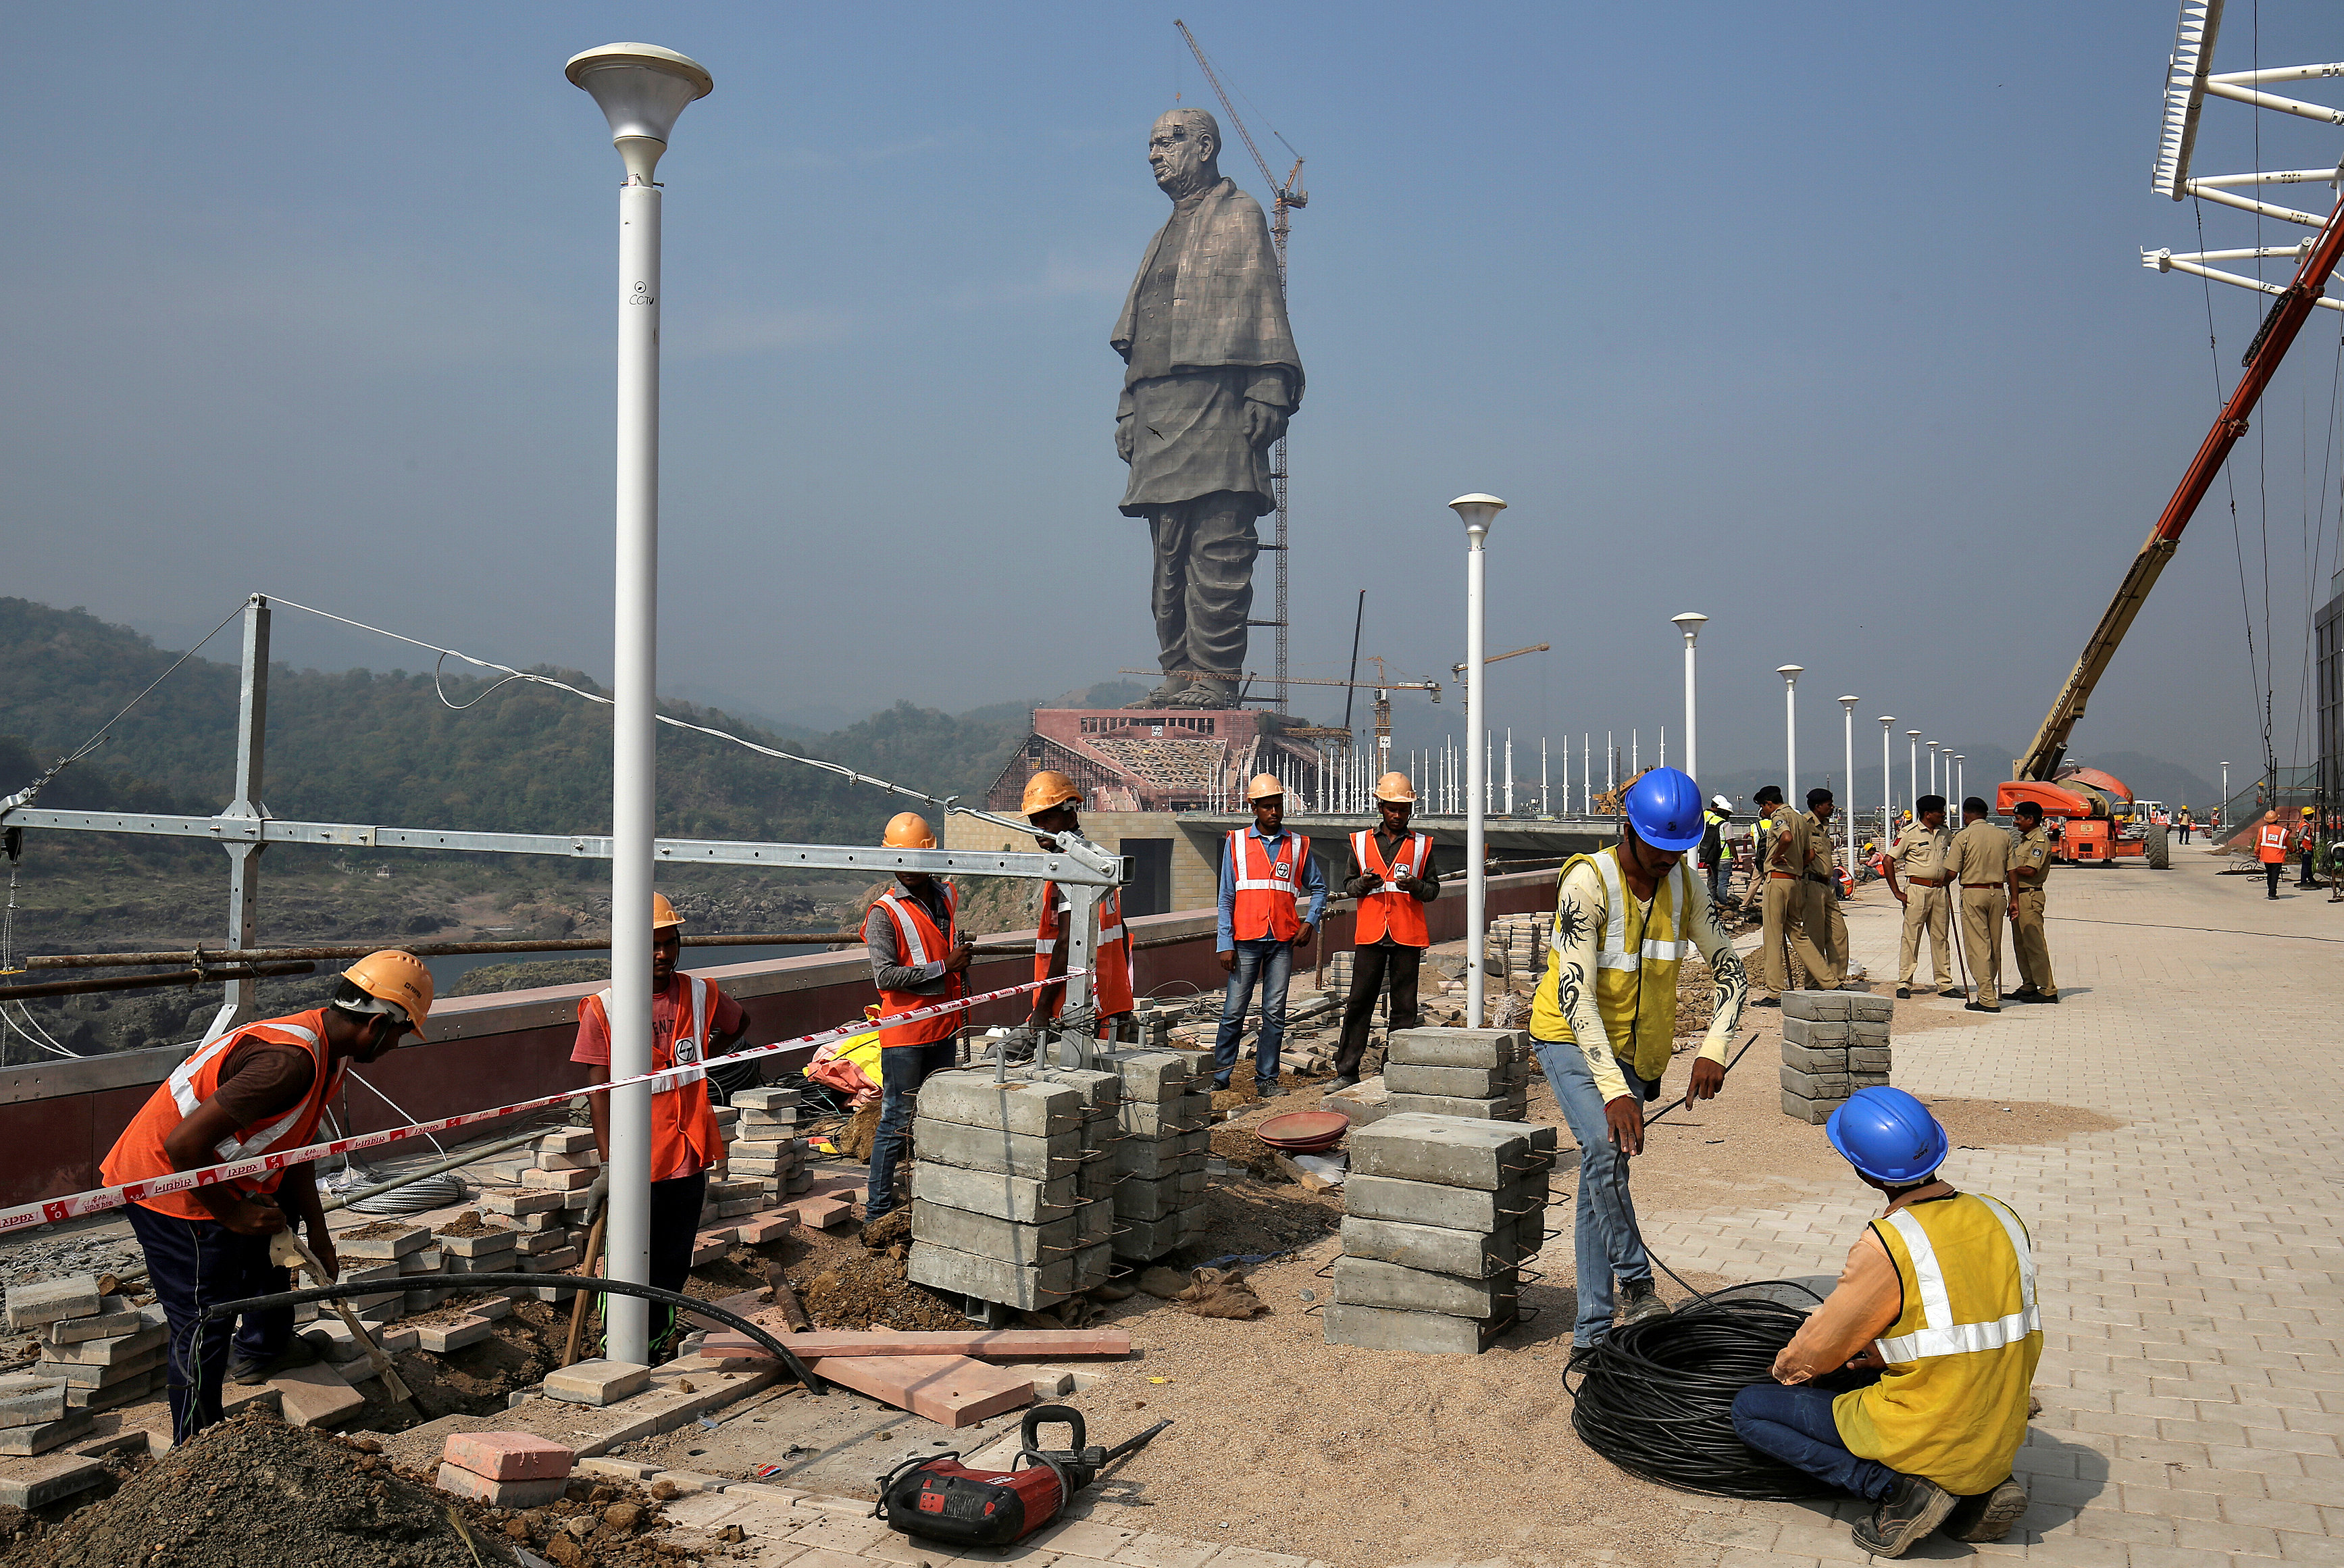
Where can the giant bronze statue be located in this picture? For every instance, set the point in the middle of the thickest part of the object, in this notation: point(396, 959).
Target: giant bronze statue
point(1210, 378)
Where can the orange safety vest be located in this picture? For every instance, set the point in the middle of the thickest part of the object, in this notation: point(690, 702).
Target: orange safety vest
point(685, 1139)
point(1387, 909)
point(1110, 966)
point(138, 1154)
point(2271, 844)
point(918, 942)
point(1266, 890)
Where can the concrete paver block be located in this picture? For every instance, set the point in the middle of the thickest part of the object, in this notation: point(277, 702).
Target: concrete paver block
point(1153, 1118)
point(550, 1160)
point(1471, 1253)
point(441, 1338)
point(51, 1300)
point(1028, 1287)
point(764, 1228)
point(1450, 1207)
point(1020, 1198)
point(1452, 1151)
point(1442, 1047)
point(115, 1315)
point(567, 1141)
point(986, 1236)
point(1366, 1282)
point(1813, 1085)
point(1512, 1106)
point(108, 1352)
point(973, 1098)
point(461, 1483)
point(480, 1246)
point(385, 1248)
point(1814, 1112)
point(764, 1100)
point(42, 1436)
point(508, 1455)
point(316, 1396)
point(29, 1398)
point(1010, 1153)
point(1460, 1083)
point(951, 1391)
point(30, 1482)
point(520, 1200)
point(1815, 1058)
point(539, 1179)
point(1147, 1158)
point(598, 1383)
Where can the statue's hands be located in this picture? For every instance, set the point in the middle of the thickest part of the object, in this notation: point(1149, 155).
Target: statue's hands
point(1124, 444)
point(1264, 424)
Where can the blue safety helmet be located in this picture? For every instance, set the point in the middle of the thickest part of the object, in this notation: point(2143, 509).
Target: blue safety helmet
point(1665, 806)
point(1888, 1134)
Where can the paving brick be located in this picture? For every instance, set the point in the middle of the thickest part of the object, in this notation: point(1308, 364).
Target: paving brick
point(396, 1244)
point(40, 1437)
point(598, 1382)
point(441, 1338)
point(508, 1455)
point(316, 1396)
point(42, 1301)
point(44, 1478)
point(116, 1315)
point(461, 1483)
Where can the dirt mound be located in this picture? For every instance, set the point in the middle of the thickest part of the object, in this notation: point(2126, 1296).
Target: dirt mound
point(380, 1227)
point(469, 1223)
point(857, 1289)
point(888, 1229)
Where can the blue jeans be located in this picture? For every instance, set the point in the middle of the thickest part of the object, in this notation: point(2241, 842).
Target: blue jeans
point(902, 1070)
point(1604, 1232)
point(193, 1264)
point(1793, 1423)
point(1270, 964)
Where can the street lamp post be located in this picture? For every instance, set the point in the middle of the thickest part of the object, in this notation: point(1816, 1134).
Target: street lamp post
point(1790, 673)
point(2222, 810)
point(1913, 773)
point(1847, 811)
point(1478, 511)
point(1690, 624)
point(641, 89)
point(1960, 774)
point(1887, 785)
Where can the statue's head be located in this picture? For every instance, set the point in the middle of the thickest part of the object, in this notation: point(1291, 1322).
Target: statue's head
point(1185, 149)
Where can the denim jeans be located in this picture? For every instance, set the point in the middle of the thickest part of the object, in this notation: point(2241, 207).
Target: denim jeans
point(1793, 1423)
point(1717, 881)
point(191, 1264)
point(1270, 964)
point(1603, 1232)
point(902, 1070)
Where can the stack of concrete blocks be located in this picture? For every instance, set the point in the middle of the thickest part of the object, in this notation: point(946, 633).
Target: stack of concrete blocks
point(1441, 1214)
point(1010, 1185)
point(1833, 1044)
point(1478, 1073)
point(506, 1468)
point(1164, 1123)
point(766, 1147)
point(96, 1352)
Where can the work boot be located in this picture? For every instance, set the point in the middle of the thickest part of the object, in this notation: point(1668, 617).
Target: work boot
point(302, 1351)
point(1978, 1007)
point(1271, 1090)
point(1904, 992)
point(1342, 1082)
point(1954, 993)
point(1766, 1002)
point(1989, 1515)
point(1640, 1302)
point(1903, 1518)
point(2026, 993)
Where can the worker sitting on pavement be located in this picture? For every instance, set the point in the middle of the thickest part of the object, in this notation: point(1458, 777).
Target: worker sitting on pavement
point(1603, 1023)
point(692, 1021)
point(259, 1088)
point(1263, 869)
point(1049, 804)
point(918, 958)
point(1908, 1386)
point(1391, 876)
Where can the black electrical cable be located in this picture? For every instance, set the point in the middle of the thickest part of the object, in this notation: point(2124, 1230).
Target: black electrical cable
point(813, 1385)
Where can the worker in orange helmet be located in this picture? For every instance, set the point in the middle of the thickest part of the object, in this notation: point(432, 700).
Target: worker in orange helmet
point(255, 1089)
point(1392, 878)
point(1264, 868)
point(1049, 804)
point(918, 958)
point(2270, 848)
point(691, 1020)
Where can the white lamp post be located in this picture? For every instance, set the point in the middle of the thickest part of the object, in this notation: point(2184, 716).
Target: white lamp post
point(1935, 788)
point(2221, 811)
point(1913, 772)
point(1790, 673)
point(1848, 809)
point(1887, 785)
point(641, 88)
point(1690, 624)
point(1478, 511)
point(1961, 787)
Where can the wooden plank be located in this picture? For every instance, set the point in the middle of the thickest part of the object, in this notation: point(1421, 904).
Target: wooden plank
point(951, 1390)
point(988, 1344)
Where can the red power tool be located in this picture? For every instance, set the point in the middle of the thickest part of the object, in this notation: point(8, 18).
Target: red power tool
point(940, 1499)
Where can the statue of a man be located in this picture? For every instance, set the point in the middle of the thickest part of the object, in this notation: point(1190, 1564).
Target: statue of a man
point(1210, 378)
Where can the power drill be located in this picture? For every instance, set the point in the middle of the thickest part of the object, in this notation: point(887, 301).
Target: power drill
point(940, 1499)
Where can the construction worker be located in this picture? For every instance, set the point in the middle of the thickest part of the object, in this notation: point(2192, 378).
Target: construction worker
point(2306, 846)
point(255, 1089)
point(1762, 840)
point(1264, 868)
point(1603, 1022)
point(1049, 804)
point(1831, 935)
point(1908, 1386)
point(2030, 867)
point(1920, 856)
point(1978, 859)
point(1391, 876)
point(1793, 904)
point(691, 1020)
point(1715, 854)
point(2185, 824)
point(2270, 848)
point(918, 958)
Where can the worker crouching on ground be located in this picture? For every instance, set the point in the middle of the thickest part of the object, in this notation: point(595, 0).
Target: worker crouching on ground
point(692, 1021)
point(1977, 861)
point(1604, 1020)
point(1391, 876)
point(257, 1088)
point(1263, 869)
point(1909, 1387)
point(918, 958)
point(1049, 804)
point(1920, 856)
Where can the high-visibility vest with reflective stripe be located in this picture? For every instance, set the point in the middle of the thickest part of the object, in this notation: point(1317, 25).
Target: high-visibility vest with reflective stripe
point(2271, 844)
point(1952, 1404)
point(919, 941)
point(685, 1139)
point(138, 1153)
point(1266, 888)
point(1111, 963)
point(1638, 950)
point(1387, 909)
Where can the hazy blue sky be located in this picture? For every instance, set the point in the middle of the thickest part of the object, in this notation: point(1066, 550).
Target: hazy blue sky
point(1828, 322)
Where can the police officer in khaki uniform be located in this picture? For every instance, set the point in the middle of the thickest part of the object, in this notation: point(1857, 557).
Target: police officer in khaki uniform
point(1822, 872)
point(1794, 916)
point(1920, 858)
point(1978, 862)
point(2030, 867)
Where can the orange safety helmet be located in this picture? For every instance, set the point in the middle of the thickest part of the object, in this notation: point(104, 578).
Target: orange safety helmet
point(1265, 786)
point(1048, 789)
point(1394, 786)
point(397, 978)
point(909, 830)
point(663, 913)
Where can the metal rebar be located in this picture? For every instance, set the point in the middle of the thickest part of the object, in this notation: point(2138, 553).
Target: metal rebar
point(189, 977)
point(420, 949)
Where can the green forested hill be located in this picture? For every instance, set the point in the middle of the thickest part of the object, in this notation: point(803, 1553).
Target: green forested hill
point(358, 746)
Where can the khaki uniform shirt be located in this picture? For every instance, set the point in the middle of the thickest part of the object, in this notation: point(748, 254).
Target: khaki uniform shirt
point(1979, 855)
point(1920, 854)
point(1791, 832)
point(2030, 860)
point(1823, 846)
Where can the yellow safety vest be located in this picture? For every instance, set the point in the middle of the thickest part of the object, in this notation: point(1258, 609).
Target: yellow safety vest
point(1638, 950)
point(1952, 1405)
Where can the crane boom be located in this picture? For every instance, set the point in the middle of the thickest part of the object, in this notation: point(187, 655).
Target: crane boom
point(1243, 134)
point(2288, 315)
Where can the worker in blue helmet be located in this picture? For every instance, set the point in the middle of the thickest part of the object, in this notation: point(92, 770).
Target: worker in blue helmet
point(1908, 1386)
point(1604, 1021)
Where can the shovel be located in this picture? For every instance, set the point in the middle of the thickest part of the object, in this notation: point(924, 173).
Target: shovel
point(288, 1252)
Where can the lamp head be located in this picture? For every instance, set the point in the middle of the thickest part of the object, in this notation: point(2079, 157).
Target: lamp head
point(1478, 511)
point(1790, 672)
point(1913, 735)
point(1690, 624)
point(1887, 719)
point(1849, 703)
point(641, 88)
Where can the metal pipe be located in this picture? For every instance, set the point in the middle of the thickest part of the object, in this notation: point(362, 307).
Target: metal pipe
point(1790, 673)
point(1690, 624)
point(1847, 811)
point(1477, 513)
point(1888, 786)
point(1913, 773)
point(188, 978)
point(420, 949)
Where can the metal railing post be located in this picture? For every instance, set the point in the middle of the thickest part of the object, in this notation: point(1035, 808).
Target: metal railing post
point(240, 1001)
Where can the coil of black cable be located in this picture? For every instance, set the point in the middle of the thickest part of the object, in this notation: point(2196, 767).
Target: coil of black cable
point(1656, 1398)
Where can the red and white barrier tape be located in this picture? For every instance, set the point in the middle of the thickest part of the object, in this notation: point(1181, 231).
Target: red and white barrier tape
point(49, 1210)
